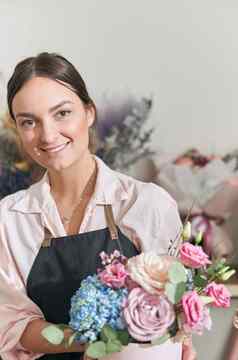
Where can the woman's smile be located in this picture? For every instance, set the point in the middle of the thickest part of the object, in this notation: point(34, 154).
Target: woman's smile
point(55, 148)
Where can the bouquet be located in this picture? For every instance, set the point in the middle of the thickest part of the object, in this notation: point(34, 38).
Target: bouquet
point(208, 184)
point(146, 299)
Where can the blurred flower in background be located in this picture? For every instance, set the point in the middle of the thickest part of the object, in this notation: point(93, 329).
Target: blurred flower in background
point(206, 189)
point(123, 136)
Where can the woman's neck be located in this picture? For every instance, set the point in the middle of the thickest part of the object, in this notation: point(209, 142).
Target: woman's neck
point(70, 183)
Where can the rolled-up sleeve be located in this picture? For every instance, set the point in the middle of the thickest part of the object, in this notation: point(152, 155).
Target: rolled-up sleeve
point(16, 308)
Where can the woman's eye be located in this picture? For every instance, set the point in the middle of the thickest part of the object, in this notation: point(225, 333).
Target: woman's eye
point(28, 124)
point(62, 113)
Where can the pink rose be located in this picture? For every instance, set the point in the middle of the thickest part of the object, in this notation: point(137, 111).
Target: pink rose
point(114, 275)
point(147, 316)
point(150, 271)
point(204, 322)
point(220, 294)
point(193, 256)
point(193, 308)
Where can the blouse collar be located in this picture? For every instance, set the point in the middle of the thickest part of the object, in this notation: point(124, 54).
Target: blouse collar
point(108, 190)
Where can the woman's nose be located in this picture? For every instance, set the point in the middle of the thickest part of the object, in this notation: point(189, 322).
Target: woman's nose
point(48, 133)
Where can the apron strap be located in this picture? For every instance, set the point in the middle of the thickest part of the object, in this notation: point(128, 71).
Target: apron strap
point(47, 238)
point(111, 221)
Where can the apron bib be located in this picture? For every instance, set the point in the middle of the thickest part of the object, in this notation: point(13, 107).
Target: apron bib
point(62, 263)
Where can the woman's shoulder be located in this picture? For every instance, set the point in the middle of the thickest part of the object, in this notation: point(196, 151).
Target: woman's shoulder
point(8, 202)
point(144, 192)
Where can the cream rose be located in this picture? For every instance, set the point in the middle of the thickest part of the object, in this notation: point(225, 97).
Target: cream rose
point(150, 271)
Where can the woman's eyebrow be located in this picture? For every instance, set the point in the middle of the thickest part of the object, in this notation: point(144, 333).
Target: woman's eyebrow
point(52, 109)
point(25, 114)
point(55, 107)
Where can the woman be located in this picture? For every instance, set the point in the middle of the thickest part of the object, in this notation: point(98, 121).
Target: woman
point(52, 233)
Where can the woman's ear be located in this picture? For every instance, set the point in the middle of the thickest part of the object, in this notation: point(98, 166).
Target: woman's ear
point(90, 115)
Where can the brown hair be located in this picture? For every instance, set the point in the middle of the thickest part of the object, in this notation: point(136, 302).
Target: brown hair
point(57, 68)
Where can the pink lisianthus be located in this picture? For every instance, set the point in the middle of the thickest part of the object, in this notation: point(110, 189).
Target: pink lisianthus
point(150, 271)
point(193, 308)
point(205, 322)
point(114, 275)
point(193, 256)
point(147, 316)
point(220, 294)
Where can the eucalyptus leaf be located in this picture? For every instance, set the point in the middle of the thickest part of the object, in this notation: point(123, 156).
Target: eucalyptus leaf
point(174, 292)
point(123, 336)
point(161, 339)
point(177, 273)
point(71, 339)
point(53, 334)
point(96, 350)
point(113, 346)
point(108, 333)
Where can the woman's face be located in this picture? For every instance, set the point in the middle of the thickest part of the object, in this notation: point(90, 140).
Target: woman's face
point(52, 123)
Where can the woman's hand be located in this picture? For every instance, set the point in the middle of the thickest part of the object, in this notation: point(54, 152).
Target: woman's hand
point(189, 352)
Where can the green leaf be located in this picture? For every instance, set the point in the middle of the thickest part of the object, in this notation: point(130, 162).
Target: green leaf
point(53, 334)
point(198, 238)
point(113, 346)
point(174, 292)
point(123, 336)
point(71, 339)
point(96, 350)
point(214, 268)
point(223, 270)
point(108, 333)
point(227, 275)
point(200, 280)
point(161, 339)
point(177, 273)
point(206, 299)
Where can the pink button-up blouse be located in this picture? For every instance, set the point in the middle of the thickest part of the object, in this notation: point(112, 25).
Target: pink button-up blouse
point(145, 213)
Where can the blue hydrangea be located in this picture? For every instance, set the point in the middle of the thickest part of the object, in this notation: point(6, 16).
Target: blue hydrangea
point(94, 305)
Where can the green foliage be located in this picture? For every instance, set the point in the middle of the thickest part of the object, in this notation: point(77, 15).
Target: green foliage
point(108, 333)
point(200, 280)
point(177, 273)
point(53, 334)
point(111, 341)
point(174, 292)
point(161, 339)
point(113, 346)
point(206, 299)
point(123, 336)
point(96, 350)
point(199, 238)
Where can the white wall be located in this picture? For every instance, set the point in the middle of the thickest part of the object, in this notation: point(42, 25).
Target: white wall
point(184, 52)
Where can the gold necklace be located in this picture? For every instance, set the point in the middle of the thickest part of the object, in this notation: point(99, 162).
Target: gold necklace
point(87, 191)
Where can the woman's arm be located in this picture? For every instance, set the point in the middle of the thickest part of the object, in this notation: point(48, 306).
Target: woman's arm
point(33, 341)
point(189, 352)
point(232, 348)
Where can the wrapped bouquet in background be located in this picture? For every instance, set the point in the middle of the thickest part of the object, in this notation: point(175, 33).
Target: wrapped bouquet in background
point(146, 299)
point(208, 185)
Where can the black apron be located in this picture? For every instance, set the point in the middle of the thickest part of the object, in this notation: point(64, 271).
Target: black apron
point(62, 263)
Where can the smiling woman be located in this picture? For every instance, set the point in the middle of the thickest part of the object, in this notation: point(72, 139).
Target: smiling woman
point(52, 233)
point(56, 133)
